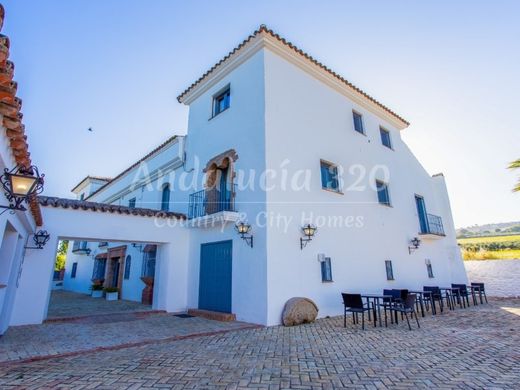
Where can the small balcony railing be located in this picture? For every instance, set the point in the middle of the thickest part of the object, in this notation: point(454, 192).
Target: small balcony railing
point(80, 248)
point(433, 225)
point(211, 201)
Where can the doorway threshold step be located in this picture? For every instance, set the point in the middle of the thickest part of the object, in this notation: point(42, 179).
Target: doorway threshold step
point(212, 315)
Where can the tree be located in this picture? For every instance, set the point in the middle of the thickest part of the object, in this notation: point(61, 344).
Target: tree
point(61, 255)
point(516, 165)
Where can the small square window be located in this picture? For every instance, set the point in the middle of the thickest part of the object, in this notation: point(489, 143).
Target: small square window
point(382, 193)
point(326, 270)
point(389, 270)
point(385, 137)
point(221, 101)
point(329, 176)
point(358, 122)
point(74, 270)
point(131, 203)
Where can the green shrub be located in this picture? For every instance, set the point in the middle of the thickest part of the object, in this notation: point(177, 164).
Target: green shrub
point(96, 287)
point(111, 289)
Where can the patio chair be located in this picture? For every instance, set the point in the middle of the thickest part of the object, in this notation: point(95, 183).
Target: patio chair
point(407, 307)
point(388, 302)
point(480, 289)
point(354, 303)
point(462, 294)
point(435, 295)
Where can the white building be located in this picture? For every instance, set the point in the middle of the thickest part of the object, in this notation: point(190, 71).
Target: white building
point(278, 140)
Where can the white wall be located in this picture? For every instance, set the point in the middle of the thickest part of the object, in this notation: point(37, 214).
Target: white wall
point(307, 121)
point(35, 283)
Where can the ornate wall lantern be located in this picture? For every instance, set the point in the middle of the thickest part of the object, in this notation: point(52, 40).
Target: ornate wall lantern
point(19, 185)
point(309, 231)
point(40, 239)
point(415, 245)
point(244, 230)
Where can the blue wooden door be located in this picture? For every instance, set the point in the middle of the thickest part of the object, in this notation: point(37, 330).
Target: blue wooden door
point(215, 276)
point(423, 216)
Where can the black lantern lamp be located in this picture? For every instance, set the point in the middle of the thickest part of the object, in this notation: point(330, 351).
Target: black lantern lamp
point(309, 231)
point(19, 185)
point(415, 244)
point(244, 230)
point(40, 239)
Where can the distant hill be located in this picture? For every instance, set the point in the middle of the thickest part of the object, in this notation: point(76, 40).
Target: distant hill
point(490, 229)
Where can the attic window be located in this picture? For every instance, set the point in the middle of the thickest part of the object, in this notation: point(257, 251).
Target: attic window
point(221, 101)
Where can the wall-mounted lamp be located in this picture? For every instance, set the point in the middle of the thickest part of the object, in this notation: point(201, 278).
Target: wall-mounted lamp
point(244, 230)
point(19, 185)
point(309, 231)
point(40, 239)
point(415, 245)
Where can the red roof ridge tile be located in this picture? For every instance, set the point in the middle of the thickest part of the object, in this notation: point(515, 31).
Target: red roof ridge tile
point(264, 29)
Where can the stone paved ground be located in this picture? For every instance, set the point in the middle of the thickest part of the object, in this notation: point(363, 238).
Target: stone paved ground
point(105, 331)
point(477, 347)
point(70, 304)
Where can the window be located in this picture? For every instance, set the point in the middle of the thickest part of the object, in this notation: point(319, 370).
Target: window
point(82, 197)
point(358, 122)
point(329, 176)
point(326, 270)
point(74, 270)
point(385, 137)
point(131, 203)
point(128, 264)
point(429, 268)
point(165, 200)
point(389, 270)
point(221, 101)
point(149, 263)
point(99, 269)
point(382, 193)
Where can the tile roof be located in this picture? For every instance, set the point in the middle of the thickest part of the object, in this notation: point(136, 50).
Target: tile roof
point(264, 30)
point(154, 151)
point(47, 201)
point(10, 107)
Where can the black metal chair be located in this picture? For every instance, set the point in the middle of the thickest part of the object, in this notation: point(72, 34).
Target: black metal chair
point(388, 302)
point(407, 307)
point(461, 294)
point(433, 294)
point(354, 303)
point(480, 289)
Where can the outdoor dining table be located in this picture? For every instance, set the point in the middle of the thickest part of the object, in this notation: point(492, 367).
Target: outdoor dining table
point(375, 298)
point(474, 289)
point(420, 298)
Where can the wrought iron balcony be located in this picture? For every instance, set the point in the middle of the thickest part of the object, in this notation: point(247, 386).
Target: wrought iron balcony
point(211, 201)
point(433, 225)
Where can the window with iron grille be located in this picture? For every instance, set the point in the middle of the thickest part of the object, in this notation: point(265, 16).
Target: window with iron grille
point(128, 264)
point(326, 270)
point(429, 269)
point(389, 270)
point(74, 270)
point(99, 269)
point(131, 203)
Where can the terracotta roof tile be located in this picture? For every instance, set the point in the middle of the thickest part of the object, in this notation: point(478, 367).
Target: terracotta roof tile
point(263, 29)
point(47, 201)
point(10, 107)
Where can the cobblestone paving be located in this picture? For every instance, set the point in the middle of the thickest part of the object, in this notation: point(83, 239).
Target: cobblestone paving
point(477, 347)
point(105, 331)
point(71, 304)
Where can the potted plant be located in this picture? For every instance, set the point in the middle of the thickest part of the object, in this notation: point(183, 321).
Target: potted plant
point(97, 291)
point(111, 293)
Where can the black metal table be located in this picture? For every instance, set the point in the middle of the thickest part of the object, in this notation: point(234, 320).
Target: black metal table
point(450, 293)
point(420, 298)
point(375, 300)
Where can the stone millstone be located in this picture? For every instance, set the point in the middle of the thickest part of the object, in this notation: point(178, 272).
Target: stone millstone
point(299, 311)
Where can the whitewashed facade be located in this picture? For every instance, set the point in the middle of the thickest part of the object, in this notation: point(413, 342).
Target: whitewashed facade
point(286, 114)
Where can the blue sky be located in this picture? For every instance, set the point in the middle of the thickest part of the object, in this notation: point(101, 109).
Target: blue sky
point(450, 68)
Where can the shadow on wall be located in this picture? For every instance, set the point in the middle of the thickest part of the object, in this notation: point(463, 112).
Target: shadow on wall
point(500, 276)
